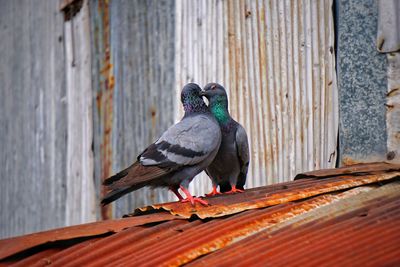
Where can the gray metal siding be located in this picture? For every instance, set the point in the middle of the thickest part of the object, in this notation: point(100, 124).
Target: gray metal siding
point(141, 43)
point(388, 42)
point(277, 62)
point(80, 204)
point(33, 132)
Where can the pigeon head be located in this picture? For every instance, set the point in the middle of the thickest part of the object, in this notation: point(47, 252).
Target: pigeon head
point(214, 91)
point(218, 99)
point(192, 100)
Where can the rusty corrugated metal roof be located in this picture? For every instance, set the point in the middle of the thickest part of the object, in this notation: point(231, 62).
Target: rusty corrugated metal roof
point(348, 216)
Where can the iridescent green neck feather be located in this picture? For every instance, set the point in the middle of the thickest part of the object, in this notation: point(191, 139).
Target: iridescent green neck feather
point(219, 108)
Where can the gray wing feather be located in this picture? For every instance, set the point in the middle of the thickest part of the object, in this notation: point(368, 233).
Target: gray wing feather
point(188, 142)
point(242, 145)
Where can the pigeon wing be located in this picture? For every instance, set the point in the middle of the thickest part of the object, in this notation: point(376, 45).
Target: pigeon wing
point(188, 142)
point(242, 146)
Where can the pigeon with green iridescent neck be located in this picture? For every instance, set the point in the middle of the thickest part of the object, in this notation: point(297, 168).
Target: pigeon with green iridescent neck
point(229, 168)
point(183, 151)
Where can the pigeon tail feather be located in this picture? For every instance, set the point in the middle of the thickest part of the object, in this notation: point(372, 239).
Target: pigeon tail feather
point(119, 175)
point(117, 193)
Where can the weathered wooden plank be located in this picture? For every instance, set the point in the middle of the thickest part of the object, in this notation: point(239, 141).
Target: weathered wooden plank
point(80, 206)
point(142, 56)
point(388, 41)
point(393, 108)
point(33, 116)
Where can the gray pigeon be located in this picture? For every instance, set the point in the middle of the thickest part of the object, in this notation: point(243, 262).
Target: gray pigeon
point(229, 168)
point(183, 151)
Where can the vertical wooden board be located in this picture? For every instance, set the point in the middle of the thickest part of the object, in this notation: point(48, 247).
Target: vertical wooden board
point(388, 41)
point(393, 107)
point(33, 117)
point(142, 51)
point(80, 196)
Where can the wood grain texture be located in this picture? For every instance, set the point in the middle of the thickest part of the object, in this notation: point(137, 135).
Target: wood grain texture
point(80, 205)
point(33, 114)
point(142, 57)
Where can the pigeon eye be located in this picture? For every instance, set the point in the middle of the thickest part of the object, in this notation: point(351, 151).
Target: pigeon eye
point(213, 87)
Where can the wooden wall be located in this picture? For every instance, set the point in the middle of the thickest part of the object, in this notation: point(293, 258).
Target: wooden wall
point(33, 117)
point(81, 97)
point(133, 45)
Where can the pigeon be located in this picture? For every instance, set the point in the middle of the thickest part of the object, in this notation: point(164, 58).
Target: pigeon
point(183, 151)
point(229, 168)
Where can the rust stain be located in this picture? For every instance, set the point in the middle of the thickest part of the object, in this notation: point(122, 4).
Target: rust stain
point(226, 205)
point(336, 220)
point(153, 112)
point(13, 245)
point(315, 237)
point(352, 169)
point(104, 99)
point(393, 92)
point(220, 233)
point(251, 227)
point(327, 244)
point(109, 251)
point(346, 161)
point(389, 106)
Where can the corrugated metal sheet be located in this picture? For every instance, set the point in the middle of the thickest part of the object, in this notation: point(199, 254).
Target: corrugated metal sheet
point(134, 82)
point(88, 230)
point(376, 167)
point(80, 195)
point(388, 41)
point(342, 227)
point(355, 231)
point(33, 117)
point(276, 59)
point(47, 121)
point(393, 107)
point(268, 196)
point(103, 85)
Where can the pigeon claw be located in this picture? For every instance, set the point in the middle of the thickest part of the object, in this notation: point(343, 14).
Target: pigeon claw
point(234, 190)
point(214, 192)
point(193, 200)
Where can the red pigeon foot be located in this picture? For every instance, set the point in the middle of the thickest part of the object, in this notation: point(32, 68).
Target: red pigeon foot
point(234, 190)
point(192, 199)
point(214, 192)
